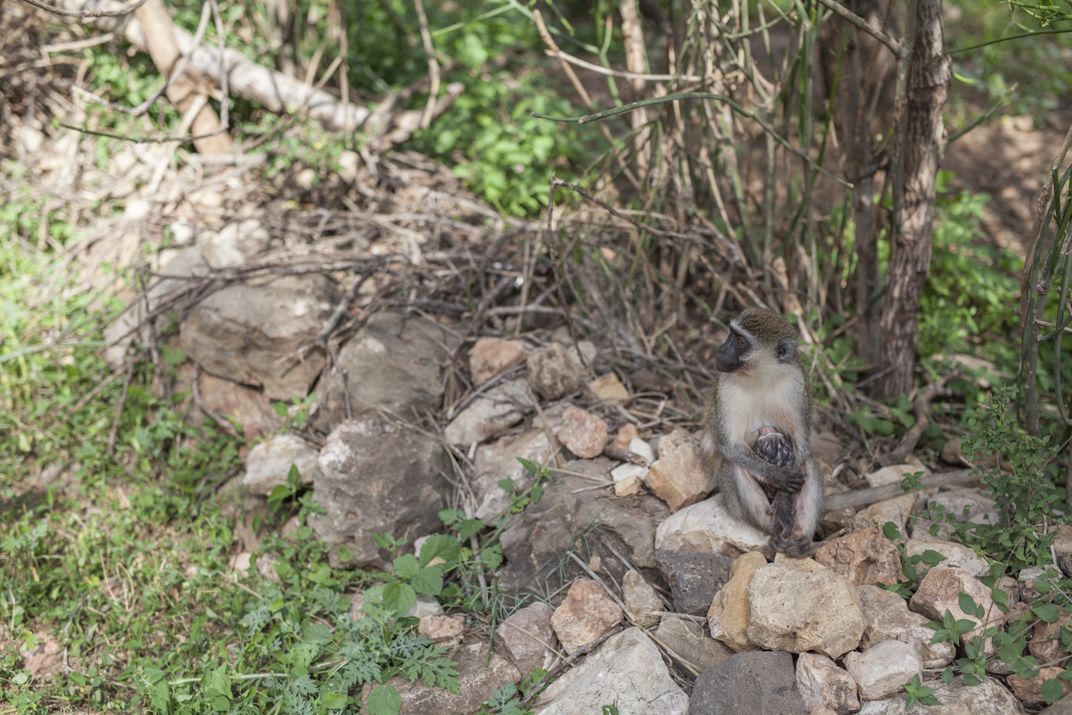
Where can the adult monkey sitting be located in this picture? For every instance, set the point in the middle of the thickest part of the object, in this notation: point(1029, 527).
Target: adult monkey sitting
point(758, 419)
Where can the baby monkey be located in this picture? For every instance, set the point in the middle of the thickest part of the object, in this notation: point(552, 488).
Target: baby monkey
point(758, 419)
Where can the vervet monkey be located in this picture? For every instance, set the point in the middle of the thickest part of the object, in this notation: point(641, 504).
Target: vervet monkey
point(758, 419)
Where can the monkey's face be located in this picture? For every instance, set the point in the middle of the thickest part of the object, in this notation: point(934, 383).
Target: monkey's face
point(733, 352)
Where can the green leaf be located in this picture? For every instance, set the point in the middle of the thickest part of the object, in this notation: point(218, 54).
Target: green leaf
point(529, 466)
point(439, 545)
point(932, 557)
point(399, 597)
point(317, 633)
point(428, 580)
point(966, 603)
point(1048, 612)
point(218, 682)
point(469, 528)
point(1051, 691)
point(406, 566)
point(384, 700)
point(333, 700)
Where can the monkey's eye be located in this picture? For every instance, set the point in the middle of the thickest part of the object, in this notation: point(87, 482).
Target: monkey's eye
point(740, 342)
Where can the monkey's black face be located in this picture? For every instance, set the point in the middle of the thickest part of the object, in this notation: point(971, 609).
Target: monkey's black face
point(731, 354)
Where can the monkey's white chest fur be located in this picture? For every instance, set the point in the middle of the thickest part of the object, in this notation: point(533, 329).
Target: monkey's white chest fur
point(749, 404)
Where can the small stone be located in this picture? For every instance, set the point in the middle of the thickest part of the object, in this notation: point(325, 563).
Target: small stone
point(1045, 643)
point(1061, 707)
point(586, 614)
point(729, 608)
point(677, 476)
point(497, 461)
point(626, 670)
point(753, 682)
point(1031, 577)
point(888, 618)
point(442, 629)
point(642, 602)
point(865, 557)
point(424, 607)
point(528, 637)
point(45, 658)
point(1062, 549)
point(499, 408)
point(824, 685)
point(708, 526)
point(939, 591)
point(628, 479)
point(895, 511)
point(884, 668)
point(609, 388)
point(893, 474)
point(625, 436)
point(694, 578)
point(685, 638)
point(955, 555)
point(796, 610)
point(890, 706)
point(582, 433)
point(953, 453)
point(1029, 690)
point(241, 562)
point(556, 370)
point(268, 464)
point(490, 356)
point(946, 509)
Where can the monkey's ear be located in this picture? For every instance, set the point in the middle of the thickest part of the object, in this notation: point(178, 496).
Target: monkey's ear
point(785, 350)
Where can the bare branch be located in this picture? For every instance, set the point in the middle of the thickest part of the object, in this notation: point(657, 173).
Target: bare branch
point(87, 14)
point(849, 16)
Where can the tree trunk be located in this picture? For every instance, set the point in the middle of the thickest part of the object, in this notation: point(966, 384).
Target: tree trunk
point(927, 87)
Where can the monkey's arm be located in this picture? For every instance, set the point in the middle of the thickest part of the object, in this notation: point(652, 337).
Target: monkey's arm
point(788, 478)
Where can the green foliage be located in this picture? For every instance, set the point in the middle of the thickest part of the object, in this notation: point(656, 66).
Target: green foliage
point(972, 292)
point(1026, 493)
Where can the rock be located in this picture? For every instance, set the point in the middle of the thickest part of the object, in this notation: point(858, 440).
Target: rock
point(1045, 643)
point(395, 362)
point(498, 461)
point(490, 356)
point(955, 555)
point(753, 682)
point(890, 706)
point(45, 658)
point(249, 407)
point(442, 629)
point(556, 370)
point(501, 407)
point(958, 698)
point(945, 509)
point(268, 464)
point(608, 388)
point(425, 607)
point(377, 476)
point(888, 618)
point(823, 684)
point(586, 614)
point(1031, 578)
point(627, 670)
point(864, 557)
point(1062, 549)
point(628, 479)
point(528, 637)
point(582, 433)
point(686, 639)
point(953, 453)
point(478, 678)
point(896, 510)
point(624, 438)
point(677, 476)
point(884, 668)
point(251, 332)
point(729, 608)
point(1029, 690)
point(893, 474)
point(573, 516)
point(694, 578)
point(797, 610)
point(708, 526)
point(642, 602)
point(1061, 707)
point(940, 590)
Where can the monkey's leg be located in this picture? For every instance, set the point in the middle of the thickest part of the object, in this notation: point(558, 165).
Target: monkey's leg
point(744, 496)
point(794, 523)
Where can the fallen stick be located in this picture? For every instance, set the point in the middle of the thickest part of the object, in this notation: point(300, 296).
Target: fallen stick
point(274, 91)
point(871, 495)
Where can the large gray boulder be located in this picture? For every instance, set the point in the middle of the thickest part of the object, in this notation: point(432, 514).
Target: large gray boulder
point(751, 682)
point(396, 363)
point(378, 475)
point(252, 332)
